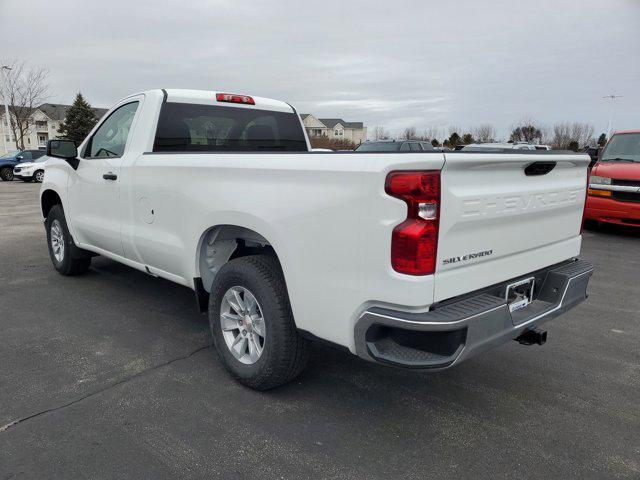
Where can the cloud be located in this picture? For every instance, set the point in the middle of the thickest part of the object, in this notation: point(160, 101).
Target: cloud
point(424, 63)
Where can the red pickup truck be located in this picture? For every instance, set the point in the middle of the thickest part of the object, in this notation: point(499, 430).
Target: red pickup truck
point(614, 185)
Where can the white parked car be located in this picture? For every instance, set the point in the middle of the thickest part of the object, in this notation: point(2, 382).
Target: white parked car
point(418, 260)
point(31, 170)
point(505, 146)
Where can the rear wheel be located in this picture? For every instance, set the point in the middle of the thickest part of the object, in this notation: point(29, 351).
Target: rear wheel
point(6, 174)
point(39, 176)
point(252, 323)
point(67, 259)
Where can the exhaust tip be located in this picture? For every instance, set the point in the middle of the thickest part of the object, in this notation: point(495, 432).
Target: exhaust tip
point(532, 336)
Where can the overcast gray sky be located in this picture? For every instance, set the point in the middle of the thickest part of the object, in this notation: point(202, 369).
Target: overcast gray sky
point(393, 63)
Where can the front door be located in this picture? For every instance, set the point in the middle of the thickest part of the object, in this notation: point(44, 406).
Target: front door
point(94, 189)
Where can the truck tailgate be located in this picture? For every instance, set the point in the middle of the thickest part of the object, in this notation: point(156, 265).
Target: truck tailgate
point(498, 222)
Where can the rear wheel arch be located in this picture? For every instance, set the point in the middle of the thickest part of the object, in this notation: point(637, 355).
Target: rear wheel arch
point(48, 199)
point(221, 243)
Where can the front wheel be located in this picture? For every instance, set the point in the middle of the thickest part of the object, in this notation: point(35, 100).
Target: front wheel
point(39, 176)
point(252, 324)
point(67, 259)
point(6, 174)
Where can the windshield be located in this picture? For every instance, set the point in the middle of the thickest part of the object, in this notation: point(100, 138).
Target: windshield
point(623, 147)
point(379, 147)
point(9, 155)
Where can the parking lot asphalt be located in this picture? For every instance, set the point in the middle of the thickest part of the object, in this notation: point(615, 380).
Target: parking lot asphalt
point(111, 375)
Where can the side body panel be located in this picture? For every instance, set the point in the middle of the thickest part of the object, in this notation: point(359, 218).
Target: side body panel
point(326, 216)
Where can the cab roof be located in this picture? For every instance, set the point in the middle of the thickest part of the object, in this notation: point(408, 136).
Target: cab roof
point(208, 97)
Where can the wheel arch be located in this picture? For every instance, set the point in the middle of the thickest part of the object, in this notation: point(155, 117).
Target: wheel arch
point(48, 199)
point(221, 243)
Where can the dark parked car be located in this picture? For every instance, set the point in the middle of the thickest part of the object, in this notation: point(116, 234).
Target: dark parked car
point(395, 146)
point(593, 152)
point(10, 160)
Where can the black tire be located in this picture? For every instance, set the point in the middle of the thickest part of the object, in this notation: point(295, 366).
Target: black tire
point(73, 261)
point(285, 352)
point(6, 174)
point(36, 174)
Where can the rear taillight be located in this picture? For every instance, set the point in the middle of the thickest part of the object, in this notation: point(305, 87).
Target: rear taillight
point(234, 98)
point(414, 242)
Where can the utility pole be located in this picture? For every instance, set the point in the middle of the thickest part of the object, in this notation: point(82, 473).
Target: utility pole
point(610, 123)
point(6, 110)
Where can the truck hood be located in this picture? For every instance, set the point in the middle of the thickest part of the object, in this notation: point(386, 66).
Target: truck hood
point(619, 170)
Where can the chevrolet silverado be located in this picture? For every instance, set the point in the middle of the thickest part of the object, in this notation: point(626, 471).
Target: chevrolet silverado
point(413, 259)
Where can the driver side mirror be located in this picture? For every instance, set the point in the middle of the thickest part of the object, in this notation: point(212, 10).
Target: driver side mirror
point(64, 149)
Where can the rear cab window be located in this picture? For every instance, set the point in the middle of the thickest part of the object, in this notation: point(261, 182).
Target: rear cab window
point(186, 127)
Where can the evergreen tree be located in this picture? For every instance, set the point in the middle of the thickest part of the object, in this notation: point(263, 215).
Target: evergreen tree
point(454, 140)
point(602, 140)
point(79, 120)
point(435, 142)
point(467, 139)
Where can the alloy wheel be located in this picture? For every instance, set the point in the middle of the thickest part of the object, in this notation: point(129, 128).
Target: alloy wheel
point(243, 325)
point(57, 240)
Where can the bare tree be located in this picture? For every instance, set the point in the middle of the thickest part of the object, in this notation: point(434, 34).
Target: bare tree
point(410, 133)
point(454, 129)
point(433, 133)
point(379, 133)
point(484, 133)
point(26, 88)
point(547, 135)
point(526, 130)
point(566, 135)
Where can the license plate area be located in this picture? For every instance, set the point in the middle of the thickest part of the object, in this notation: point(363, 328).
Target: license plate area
point(519, 294)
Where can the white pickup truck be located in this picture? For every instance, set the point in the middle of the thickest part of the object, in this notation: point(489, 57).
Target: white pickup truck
point(418, 260)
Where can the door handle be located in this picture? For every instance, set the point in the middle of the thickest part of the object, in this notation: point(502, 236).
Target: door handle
point(110, 176)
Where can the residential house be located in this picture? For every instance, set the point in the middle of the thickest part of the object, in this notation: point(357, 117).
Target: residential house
point(335, 128)
point(45, 122)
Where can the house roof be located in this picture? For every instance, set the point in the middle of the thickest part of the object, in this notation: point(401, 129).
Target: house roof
point(57, 111)
point(332, 122)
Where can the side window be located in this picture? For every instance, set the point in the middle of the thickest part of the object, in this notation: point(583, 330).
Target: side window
point(111, 137)
point(405, 147)
point(26, 155)
point(415, 147)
